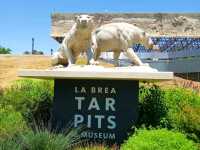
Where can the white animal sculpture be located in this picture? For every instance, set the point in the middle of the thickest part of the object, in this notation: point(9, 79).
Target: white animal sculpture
point(76, 42)
point(119, 37)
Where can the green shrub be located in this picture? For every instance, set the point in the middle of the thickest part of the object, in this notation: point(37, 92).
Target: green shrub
point(94, 147)
point(183, 111)
point(33, 98)
point(160, 139)
point(175, 108)
point(152, 108)
point(10, 144)
point(42, 139)
point(4, 50)
point(11, 123)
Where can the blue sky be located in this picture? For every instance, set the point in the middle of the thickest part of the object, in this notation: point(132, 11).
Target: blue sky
point(20, 20)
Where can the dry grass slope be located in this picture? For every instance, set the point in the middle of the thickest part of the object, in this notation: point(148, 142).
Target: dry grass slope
point(10, 64)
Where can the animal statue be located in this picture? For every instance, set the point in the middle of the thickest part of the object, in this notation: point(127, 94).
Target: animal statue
point(76, 42)
point(119, 37)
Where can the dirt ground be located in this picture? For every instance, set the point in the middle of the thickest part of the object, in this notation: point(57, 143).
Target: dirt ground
point(10, 64)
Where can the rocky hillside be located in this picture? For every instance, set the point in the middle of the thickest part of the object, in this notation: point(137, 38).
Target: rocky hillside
point(157, 24)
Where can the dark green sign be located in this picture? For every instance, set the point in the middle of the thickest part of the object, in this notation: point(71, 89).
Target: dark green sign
point(107, 108)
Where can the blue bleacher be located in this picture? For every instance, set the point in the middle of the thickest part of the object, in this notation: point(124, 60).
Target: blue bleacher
point(170, 44)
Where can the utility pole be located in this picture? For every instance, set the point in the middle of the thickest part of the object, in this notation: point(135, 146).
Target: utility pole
point(33, 44)
point(51, 51)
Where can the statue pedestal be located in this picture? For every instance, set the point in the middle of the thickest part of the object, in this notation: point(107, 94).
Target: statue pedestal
point(104, 100)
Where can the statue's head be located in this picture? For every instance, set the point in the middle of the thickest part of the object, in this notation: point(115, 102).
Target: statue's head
point(84, 21)
point(148, 42)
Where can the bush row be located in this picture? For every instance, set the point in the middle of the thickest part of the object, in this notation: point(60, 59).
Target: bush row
point(143, 139)
point(28, 102)
point(175, 108)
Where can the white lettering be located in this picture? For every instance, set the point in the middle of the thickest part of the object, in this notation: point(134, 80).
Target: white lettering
point(93, 90)
point(79, 99)
point(111, 122)
point(94, 104)
point(99, 117)
point(96, 135)
point(78, 119)
point(112, 136)
point(100, 135)
point(89, 123)
point(83, 90)
point(100, 90)
point(113, 91)
point(110, 102)
point(106, 90)
point(76, 89)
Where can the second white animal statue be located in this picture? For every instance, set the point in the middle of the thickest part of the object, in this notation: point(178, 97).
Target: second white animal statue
point(119, 37)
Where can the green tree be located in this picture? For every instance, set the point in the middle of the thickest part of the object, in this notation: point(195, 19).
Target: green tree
point(4, 50)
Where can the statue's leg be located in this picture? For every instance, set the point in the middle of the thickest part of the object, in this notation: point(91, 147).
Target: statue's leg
point(70, 57)
point(133, 57)
point(96, 54)
point(59, 58)
point(55, 59)
point(116, 54)
point(89, 54)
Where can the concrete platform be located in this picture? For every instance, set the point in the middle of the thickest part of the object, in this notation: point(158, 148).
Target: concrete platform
point(98, 72)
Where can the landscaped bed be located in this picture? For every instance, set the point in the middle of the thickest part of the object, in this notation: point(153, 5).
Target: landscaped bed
point(168, 119)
